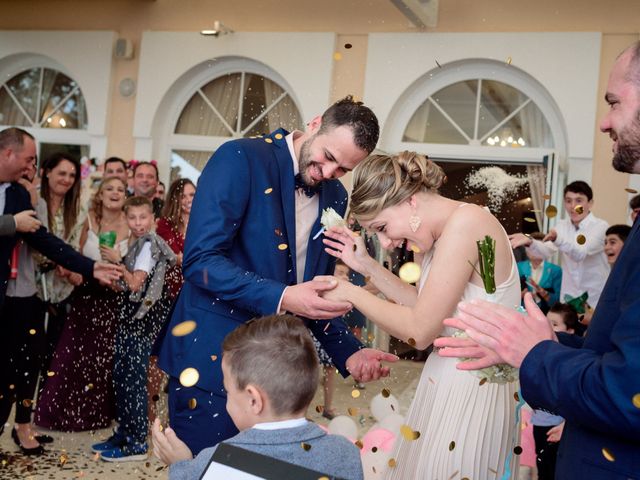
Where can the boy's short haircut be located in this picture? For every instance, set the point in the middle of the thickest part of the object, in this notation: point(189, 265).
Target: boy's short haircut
point(621, 231)
point(137, 201)
point(569, 315)
point(275, 353)
point(634, 202)
point(579, 187)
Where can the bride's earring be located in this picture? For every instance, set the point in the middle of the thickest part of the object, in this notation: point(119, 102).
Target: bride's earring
point(414, 223)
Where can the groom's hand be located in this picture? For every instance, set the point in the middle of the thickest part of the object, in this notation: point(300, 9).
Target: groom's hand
point(305, 300)
point(366, 365)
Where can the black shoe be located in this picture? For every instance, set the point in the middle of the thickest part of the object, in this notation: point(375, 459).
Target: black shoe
point(39, 450)
point(44, 438)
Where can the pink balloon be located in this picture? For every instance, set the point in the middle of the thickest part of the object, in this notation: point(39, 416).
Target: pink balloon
point(379, 438)
point(322, 427)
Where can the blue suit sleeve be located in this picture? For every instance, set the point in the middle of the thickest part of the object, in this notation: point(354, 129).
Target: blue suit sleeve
point(222, 197)
point(588, 387)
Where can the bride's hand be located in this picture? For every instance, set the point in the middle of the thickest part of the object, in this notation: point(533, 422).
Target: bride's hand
point(348, 246)
point(337, 294)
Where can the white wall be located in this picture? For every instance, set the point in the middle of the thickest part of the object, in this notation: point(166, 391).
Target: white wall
point(566, 64)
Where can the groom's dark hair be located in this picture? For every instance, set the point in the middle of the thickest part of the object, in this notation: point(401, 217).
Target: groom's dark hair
point(275, 353)
point(356, 116)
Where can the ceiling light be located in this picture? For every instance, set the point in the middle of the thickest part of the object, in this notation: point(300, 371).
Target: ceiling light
point(218, 29)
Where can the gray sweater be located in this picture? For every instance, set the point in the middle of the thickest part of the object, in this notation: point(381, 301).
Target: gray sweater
point(333, 455)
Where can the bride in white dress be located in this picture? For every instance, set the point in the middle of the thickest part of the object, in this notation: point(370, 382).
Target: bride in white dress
point(467, 427)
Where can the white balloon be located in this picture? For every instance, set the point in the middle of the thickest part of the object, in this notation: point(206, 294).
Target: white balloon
point(374, 465)
point(381, 407)
point(392, 423)
point(345, 426)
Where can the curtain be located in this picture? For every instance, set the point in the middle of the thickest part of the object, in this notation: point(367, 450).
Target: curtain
point(284, 114)
point(536, 174)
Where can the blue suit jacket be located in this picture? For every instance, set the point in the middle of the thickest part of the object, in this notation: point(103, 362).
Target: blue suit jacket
point(551, 278)
point(240, 255)
point(592, 382)
point(18, 200)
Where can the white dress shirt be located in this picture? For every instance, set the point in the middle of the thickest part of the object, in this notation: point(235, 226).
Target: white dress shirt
point(291, 423)
point(3, 195)
point(584, 267)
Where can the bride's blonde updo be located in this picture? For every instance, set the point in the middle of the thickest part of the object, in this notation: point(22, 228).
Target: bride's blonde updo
point(382, 181)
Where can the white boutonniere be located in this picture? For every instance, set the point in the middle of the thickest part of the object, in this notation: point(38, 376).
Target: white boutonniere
point(330, 218)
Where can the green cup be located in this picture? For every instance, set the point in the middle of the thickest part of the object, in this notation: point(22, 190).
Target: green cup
point(107, 239)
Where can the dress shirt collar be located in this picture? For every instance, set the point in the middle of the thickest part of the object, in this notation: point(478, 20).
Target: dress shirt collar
point(3, 195)
point(292, 423)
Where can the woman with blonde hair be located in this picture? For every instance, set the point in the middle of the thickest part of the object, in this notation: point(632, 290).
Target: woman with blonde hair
point(80, 394)
point(466, 425)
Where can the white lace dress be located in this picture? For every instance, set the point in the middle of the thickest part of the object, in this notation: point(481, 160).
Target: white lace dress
point(466, 429)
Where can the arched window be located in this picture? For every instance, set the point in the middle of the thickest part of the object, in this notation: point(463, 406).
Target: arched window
point(45, 98)
point(233, 105)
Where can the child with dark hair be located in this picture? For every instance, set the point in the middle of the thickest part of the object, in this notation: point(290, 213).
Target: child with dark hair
point(145, 306)
point(614, 240)
point(270, 370)
point(547, 427)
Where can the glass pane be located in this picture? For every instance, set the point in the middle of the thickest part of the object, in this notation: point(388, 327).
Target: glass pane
point(428, 125)
point(10, 114)
point(26, 87)
point(188, 164)
point(197, 117)
point(459, 102)
point(255, 102)
point(56, 86)
point(497, 101)
point(75, 151)
point(528, 128)
point(285, 114)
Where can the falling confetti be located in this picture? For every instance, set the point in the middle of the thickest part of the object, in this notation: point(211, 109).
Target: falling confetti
point(183, 328)
point(319, 408)
point(581, 239)
point(517, 450)
point(282, 246)
point(268, 140)
point(500, 185)
point(579, 209)
point(63, 459)
point(386, 392)
point(516, 397)
point(355, 393)
point(359, 444)
point(636, 400)
point(482, 381)
point(278, 136)
point(189, 377)
point(374, 449)
point(452, 445)
point(32, 331)
point(353, 411)
point(410, 272)
point(551, 211)
point(408, 433)
point(608, 455)
point(412, 342)
point(193, 403)
point(508, 60)
point(348, 46)
point(214, 358)
point(305, 446)
point(392, 462)
point(438, 64)
point(546, 196)
point(529, 219)
point(268, 191)
point(632, 191)
point(337, 56)
point(415, 249)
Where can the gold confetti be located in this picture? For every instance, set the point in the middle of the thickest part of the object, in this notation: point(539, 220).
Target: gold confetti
point(529, 219)
point(183, 328)
point(415, 249)
point(193, 403)
point(355, 247)
point(319, 408)
point(633, 191)
point(608, 455)
point(517, 450)
point(546, 196)
point(148, 302)
point(278, 136)
point(495, 472)
point(89, 386)
point(516, 397)
point(189, 377)
point(410, 272)
point(214, 358)
point(432, 380)
point(305, 446)
point(482, 382)
point(278, 232)
point(581, 239)
point(453, 475)
point(386, 392)
point(96, 457)
point(337, 56)
point(408, 433)
point(347, 46)
point(392, 462)
point(353, 411)
point(12, 386)
point(452, 445)
point(411, 341)
point(63, 459)
point(27, 402)
point(371, 337)
point(268, 191)
point(283, 246)
point(374, 449)
point(551, 211)
point(359, 444)
point(508, 60)
point(32, 331)
point(438, 64)
point(355, 393)
point(323, 478)
point(636, 400)
point(268, 140)
point(579, 209)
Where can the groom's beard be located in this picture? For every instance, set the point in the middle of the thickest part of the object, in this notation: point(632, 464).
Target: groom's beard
point(627, 157)
point(305, 161)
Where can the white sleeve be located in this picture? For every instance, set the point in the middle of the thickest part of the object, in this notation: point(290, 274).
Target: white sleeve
point(144, 261)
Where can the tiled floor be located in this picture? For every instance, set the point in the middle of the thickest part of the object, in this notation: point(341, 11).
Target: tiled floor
point(70, 458)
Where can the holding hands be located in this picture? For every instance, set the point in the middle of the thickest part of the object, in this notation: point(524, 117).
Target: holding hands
point(310, 300)
point(349, 247)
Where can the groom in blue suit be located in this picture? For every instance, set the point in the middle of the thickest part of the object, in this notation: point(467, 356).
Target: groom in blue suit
point(251, 250)
point(593, 382)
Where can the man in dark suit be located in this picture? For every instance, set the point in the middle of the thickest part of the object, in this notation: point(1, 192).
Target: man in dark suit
point(594, 383)
point(251, 250)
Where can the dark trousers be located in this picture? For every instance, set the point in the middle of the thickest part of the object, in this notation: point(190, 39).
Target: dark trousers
point(205, 425)
point(21, 355)
point(58, 313)
point(134, 339)
point(546, 453)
